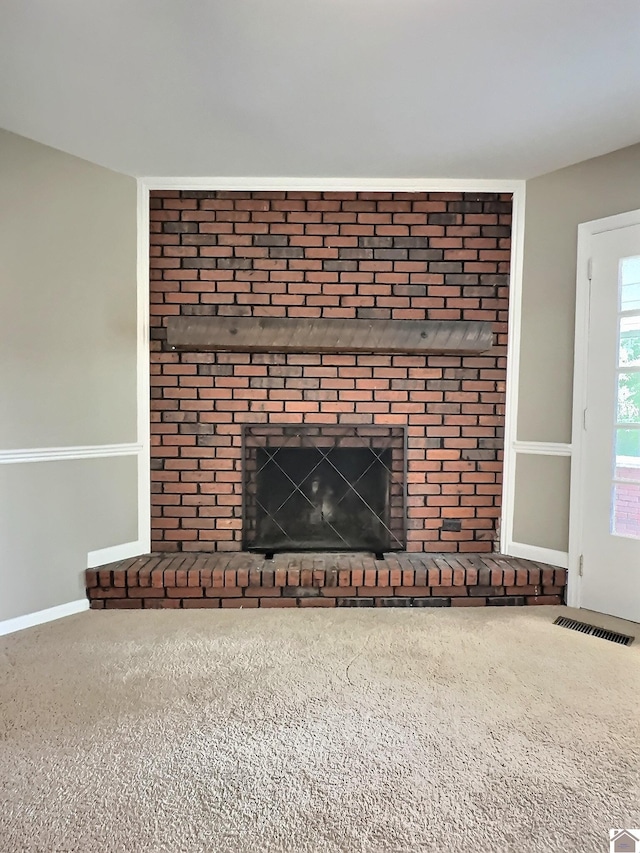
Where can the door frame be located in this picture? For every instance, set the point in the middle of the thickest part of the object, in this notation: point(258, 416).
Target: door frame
point(586, 232)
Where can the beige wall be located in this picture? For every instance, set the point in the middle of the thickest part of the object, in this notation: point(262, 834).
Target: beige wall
point(541, 504)
point(556, 204)
point(67, 367)
point(68, 321)
point(51, 515)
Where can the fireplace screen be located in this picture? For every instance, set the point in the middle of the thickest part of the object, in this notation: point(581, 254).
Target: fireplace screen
point(324, 488)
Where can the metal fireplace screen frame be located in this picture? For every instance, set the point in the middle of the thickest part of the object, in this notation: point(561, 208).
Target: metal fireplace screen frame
point(261, 447)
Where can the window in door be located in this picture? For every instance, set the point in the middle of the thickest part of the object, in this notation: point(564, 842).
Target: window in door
point(625, 504)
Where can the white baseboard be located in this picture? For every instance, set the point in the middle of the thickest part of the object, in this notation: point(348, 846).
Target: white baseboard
point(48, 615)
point(113, 553)
point(540, 555)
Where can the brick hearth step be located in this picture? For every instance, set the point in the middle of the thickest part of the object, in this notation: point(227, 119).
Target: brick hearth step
point(241, 579)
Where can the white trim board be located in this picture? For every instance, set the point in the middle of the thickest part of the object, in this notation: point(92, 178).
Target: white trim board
point(143, 377)
point(9, 626)
point(540, 555)
point(516, 187)
point(513, 368)
point(282, 184)
point(56, 454)
point(586, 231)
point(542, 448)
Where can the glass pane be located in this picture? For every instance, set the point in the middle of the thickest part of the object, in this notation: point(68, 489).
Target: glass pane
point(629, 351)
point(630, 284)
point(625, 512)
point(629, 398)
point(627, 454)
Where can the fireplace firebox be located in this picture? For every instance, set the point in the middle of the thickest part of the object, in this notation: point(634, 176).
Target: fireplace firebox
point(324, 488)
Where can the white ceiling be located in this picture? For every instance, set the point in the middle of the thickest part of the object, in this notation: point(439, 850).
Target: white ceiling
point(375, 88)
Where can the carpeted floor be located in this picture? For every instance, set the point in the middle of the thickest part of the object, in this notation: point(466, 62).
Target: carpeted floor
point(376, 731)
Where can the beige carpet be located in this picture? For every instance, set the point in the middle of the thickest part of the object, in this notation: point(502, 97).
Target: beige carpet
point(376, 731)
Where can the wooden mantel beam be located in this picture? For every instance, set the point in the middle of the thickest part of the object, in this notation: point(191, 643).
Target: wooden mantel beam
point(269, 334)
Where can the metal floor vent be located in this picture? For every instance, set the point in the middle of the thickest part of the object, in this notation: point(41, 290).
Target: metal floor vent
point(594, 631)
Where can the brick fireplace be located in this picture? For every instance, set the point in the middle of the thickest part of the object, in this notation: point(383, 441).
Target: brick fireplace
point(350, 256)
point(328, 390)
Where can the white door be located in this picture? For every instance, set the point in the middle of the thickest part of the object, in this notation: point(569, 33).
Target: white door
point(611, 458)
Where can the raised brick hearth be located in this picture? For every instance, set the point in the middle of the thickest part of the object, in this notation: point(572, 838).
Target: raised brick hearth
point(323, 580)
point(353, 257)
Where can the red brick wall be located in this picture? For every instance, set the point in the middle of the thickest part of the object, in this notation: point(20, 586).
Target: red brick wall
point(627, 502)
point(360, 255)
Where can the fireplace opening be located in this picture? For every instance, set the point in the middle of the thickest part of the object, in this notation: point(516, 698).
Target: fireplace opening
point(324, 488)
point(322, 498)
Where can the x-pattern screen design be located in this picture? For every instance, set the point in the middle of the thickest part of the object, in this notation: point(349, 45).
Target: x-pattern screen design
point(324, 488)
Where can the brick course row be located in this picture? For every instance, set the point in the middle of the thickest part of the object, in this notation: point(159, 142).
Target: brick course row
point(323, 580)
